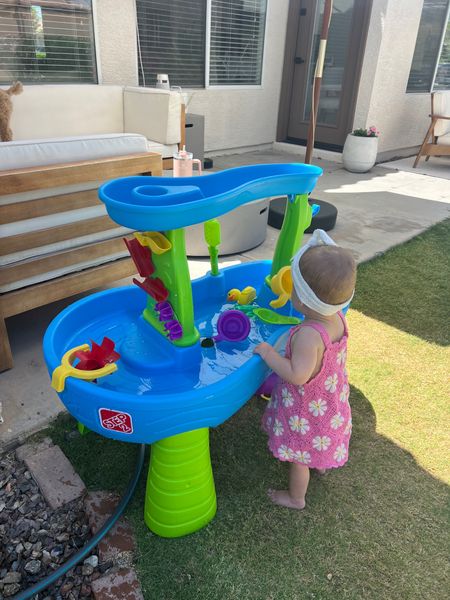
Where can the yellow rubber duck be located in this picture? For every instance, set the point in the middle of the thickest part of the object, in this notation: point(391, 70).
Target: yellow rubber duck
point(247, 295)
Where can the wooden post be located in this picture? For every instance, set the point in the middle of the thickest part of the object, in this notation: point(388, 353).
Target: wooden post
point(318, 79)
point(6, 361)
point(182, 143)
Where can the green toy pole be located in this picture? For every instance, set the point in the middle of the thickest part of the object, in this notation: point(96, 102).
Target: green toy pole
point(172, 267)
point(212, 237)
point(297, 218)
point(180, 497)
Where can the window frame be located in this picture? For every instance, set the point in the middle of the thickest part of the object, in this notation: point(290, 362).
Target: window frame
point(441, 44)
point(207, 85)
point(438, 56)
point(147, 79)
point(95, 55)
point(247, 86)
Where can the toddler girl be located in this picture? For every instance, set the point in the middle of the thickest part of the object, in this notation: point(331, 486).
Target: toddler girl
point(308, 419)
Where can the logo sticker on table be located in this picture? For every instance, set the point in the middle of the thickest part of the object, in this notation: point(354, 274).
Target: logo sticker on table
point(115, 420)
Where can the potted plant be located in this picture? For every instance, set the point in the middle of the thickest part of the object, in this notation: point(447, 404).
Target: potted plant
point(360, 150)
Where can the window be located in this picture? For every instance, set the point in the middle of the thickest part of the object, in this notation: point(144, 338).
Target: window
point(172, 40)
point(442, 81)
point(47, 41)
point(236, 42)
point(430, 67)
point(201, 43)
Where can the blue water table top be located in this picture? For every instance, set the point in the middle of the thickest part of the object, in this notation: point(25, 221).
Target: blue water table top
point(170, 203)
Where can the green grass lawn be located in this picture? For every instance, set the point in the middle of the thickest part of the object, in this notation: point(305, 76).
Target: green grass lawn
point(376, 529)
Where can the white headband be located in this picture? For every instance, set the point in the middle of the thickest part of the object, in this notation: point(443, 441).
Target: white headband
point(302, 289)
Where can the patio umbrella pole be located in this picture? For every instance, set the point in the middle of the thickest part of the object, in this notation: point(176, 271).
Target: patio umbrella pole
point(318, 79)
point(279, 206)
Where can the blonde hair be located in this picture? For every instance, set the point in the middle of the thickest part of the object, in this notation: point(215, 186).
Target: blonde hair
point(330, 271)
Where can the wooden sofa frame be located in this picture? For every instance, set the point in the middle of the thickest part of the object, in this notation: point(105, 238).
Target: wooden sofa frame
point(44, 292)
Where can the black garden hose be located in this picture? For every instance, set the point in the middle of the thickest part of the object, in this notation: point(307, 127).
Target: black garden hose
point(78, 556)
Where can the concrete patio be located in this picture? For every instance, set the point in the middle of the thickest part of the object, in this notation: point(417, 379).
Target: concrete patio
point(377, 210)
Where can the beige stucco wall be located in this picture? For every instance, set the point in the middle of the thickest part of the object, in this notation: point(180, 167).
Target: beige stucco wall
point(244, 117)
point(247, 117)
point(233, 117)
point(115, 39)
point(382, 99)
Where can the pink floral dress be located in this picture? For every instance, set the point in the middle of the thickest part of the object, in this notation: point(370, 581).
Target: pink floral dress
point(312, 424)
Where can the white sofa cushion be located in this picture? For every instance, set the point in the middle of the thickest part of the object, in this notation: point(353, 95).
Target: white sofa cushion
point(60, 111)
point(166, 150)
point(153, 113)
point(441, 106)
point(34, 153)
point(46, 111)
point(444, 140)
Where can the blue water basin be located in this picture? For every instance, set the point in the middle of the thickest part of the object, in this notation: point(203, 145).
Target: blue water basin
point(161, 388)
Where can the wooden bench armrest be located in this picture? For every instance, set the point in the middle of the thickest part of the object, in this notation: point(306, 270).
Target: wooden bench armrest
point(48, 290)
point(440, 117)
point(47, 176)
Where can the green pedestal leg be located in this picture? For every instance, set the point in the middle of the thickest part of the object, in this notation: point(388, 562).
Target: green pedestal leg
point(180, 497)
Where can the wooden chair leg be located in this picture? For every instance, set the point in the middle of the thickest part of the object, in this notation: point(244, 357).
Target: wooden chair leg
point(156, 171)
point(167, 164)
point(430, 129)
point(435, 139)
point(6, 360)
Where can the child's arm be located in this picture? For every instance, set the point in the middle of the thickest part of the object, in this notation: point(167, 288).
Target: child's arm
point(299, 368)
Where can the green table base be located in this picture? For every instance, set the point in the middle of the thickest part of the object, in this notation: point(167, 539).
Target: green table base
point(180, 497)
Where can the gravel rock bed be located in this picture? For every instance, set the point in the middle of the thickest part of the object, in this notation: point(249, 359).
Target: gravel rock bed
point(35, 540)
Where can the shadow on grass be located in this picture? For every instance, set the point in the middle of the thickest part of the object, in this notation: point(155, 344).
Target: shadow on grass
point(408, 287)
point(374, 529)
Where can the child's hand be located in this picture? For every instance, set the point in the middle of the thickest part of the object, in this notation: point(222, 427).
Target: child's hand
point(263, 350)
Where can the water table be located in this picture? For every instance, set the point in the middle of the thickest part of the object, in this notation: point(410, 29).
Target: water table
point(163, 376)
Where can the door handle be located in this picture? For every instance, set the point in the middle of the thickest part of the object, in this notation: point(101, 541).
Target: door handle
point(298, 60)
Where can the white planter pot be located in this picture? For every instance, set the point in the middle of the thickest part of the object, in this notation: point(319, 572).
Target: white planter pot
point(360, 153)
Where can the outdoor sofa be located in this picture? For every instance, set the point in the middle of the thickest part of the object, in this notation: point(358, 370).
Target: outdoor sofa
point(55, 237)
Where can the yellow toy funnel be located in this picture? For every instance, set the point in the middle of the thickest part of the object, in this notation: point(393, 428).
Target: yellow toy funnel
point(156, 241)
point(66, 369)
point(281, 284)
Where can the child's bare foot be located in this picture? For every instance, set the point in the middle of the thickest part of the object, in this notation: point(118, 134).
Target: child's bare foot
point(282, 498)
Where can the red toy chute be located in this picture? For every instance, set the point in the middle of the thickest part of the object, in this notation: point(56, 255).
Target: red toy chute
point(154, 287)
point(142, 257)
